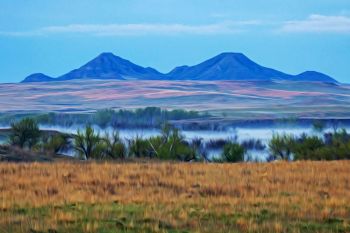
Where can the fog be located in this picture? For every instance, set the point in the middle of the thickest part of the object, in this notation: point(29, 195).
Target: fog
point(238, 134)
point(241, 133)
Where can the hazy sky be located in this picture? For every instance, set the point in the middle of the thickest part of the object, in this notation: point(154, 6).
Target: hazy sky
point(54, 37)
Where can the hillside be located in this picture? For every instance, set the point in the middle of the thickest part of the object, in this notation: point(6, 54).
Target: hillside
point(241, 99)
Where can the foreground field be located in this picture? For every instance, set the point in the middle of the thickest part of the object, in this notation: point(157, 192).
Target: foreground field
point(175, 197)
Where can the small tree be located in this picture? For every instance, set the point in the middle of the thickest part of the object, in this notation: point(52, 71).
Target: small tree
point(335, 125)
point(170, 145)
point(57, 143)
point(114, 146)
point(88, 144)
point(138, 147)
point(103, 117)
point(25, 133)
point(281, 146)
point(318, 126)
point(233, 152)
point(307, 148)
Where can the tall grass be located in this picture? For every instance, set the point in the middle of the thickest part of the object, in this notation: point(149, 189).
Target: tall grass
point(151, 197)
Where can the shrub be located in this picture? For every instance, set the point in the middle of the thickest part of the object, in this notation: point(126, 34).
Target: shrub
point(25, 133)
point(216, 143)
point(57, 143)
point(281, 147)
point(103, 117)
point(253, 144)
point(139, 147)
point(114, 146)
point(333, 146)
point(170, 145)
point(308, 148)
point(318, 126)
point(233, 152)
point(88, 144)
point(199, 148)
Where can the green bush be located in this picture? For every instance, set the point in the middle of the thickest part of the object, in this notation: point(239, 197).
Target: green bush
point(170, 145)
point(318, 126)
point(114, 146)
point(139, 147)
point(232, 153)
point(25, 133)
point(103, 117)
point(281, 147)
point(307, 148)
point(89, 144)
point(333, 146)
point(57, 142)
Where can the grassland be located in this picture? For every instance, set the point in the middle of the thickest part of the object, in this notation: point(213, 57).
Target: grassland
point(234, 99)
point(175, 197)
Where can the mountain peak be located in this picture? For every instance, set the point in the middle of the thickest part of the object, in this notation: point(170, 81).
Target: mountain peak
point(106, 54)
point(231, 54)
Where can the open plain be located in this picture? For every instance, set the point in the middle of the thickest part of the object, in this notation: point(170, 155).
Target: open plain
point(175, 197)
point(235, 99)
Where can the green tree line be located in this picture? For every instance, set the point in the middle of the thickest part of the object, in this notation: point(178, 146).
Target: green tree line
point(171, 145)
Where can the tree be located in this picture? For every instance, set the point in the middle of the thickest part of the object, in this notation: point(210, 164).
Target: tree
point(308, 148)
point(170, 145)
point(139, 147)
point(233, 152)
point(88, 144)
point(114, 146)
point(57, 143)
point(174, 146)
point(198, 146)
point(103, 117)
point(318, 126)
point(335, 125)
point(25, 133)
point(281, 146)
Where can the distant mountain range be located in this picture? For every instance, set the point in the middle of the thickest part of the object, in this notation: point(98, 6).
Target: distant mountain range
point(226, 66)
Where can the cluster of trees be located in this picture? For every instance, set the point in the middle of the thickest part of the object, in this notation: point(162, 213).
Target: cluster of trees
point(331, 146)
point(142, 118)
point(26, 134)
point(89, 144)
point(171, 145)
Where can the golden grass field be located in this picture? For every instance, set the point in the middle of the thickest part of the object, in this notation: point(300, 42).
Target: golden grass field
point(175, 197)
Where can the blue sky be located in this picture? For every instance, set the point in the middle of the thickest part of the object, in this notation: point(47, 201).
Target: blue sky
point(54, 37)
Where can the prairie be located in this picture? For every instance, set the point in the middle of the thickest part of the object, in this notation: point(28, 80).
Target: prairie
point(175, 197)
point(235, 99)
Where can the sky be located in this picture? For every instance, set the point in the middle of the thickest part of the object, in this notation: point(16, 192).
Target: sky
point(54, 37)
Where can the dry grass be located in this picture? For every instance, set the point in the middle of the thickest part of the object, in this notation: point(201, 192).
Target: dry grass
point(150, 197)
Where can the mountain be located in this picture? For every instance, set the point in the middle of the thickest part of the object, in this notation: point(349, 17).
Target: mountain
point(314, 76)
point(109, 66)
point(236, 66)
point(38, 77)
point(225, 66)
point(104, 66)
